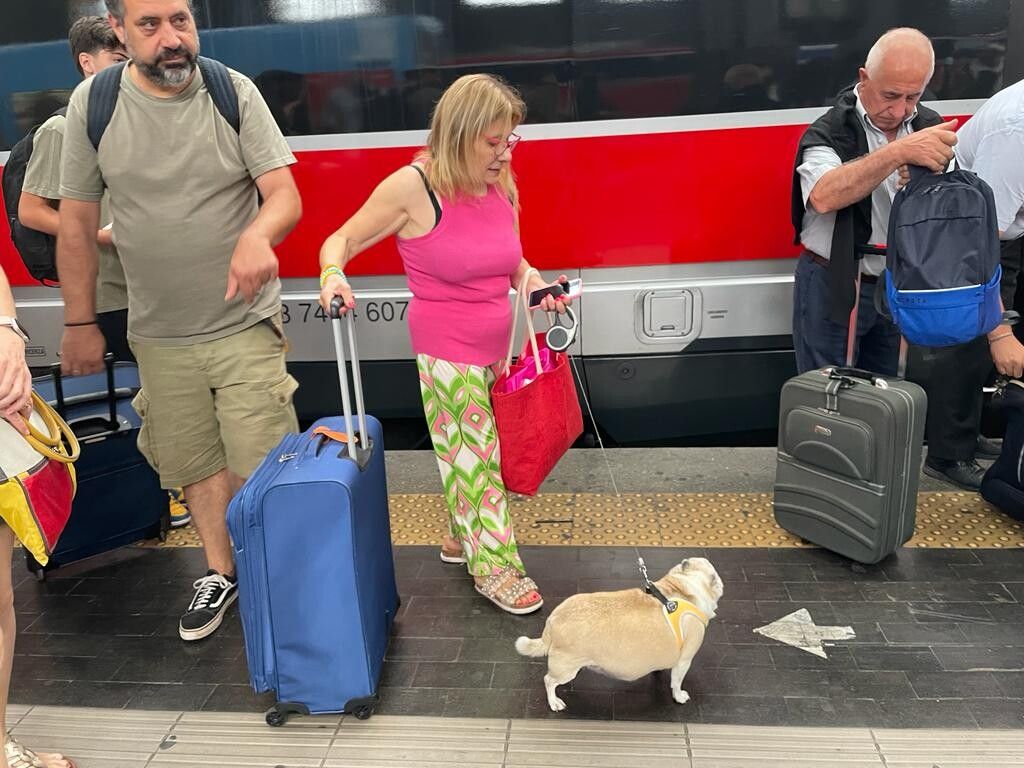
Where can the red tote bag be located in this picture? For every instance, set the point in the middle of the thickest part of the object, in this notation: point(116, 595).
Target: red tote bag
point(536, 410)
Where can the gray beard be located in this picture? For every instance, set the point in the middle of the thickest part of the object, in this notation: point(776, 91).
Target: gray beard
point(167, 76)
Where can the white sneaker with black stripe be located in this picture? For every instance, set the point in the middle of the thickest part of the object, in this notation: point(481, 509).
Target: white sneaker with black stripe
point(214, 595)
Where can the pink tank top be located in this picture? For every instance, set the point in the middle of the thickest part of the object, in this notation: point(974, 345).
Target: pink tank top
point(459, 274)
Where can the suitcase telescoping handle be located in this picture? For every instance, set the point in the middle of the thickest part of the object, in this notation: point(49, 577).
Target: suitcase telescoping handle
point(881, 307)
point(61, 404)
point(362, 440)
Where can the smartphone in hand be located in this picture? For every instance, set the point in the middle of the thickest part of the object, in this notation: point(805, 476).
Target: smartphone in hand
point(570, 288)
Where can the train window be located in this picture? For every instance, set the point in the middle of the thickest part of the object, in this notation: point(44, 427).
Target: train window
point(43, 20)
point(707, 56)
point(636, 59)
point(830, 39)
point(343, 66)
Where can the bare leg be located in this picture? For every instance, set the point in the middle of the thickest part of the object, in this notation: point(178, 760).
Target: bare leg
point(208, 501)
point(678, 673)
point(8, 627)
point(8, 630)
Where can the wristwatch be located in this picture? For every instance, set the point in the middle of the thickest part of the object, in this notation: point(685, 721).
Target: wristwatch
point(14, 325)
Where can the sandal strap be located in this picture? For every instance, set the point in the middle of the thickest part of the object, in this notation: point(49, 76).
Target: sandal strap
point(508, 586)
point(517, 590)
point(489, 587)
point(19, 756)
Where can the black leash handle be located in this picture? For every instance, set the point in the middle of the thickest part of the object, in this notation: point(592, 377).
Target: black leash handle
point(653, 591)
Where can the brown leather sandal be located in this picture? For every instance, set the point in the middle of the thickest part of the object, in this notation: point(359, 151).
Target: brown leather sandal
point(507, 587)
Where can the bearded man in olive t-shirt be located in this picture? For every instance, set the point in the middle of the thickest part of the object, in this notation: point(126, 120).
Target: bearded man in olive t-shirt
point(204, 300)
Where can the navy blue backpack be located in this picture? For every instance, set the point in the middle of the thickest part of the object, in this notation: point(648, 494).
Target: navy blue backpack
point(942, 264)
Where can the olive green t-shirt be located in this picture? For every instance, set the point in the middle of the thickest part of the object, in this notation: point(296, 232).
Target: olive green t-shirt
point(181, 188)
point(42, 177)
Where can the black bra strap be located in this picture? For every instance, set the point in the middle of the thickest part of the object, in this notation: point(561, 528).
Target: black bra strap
point(430, 192)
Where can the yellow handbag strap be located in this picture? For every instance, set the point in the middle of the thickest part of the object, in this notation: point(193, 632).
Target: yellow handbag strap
point(59, 443)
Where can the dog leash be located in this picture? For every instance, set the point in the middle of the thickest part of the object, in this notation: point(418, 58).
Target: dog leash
point(559, 338)
point(651, 589)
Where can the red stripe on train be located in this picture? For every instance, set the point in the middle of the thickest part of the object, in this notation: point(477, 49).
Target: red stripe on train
point(632, 200)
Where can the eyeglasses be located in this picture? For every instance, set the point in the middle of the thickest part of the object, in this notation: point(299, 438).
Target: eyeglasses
point(510, 144)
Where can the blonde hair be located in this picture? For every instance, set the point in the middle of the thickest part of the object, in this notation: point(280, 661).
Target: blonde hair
point(461, 116)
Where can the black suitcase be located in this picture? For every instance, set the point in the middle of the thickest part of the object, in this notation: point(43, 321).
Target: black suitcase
point(119, 499)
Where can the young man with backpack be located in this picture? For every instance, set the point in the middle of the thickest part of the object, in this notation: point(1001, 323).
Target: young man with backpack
point(94, 47)
point(185, 148)
point(844, 180)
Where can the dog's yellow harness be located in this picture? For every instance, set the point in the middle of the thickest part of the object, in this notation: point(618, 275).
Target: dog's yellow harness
point(675, 617)
point(672, 610)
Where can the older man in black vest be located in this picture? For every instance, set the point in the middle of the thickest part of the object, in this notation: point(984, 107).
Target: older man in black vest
point(846, 173)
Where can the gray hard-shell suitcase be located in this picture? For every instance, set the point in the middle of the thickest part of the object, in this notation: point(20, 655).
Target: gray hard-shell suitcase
point(849, 461)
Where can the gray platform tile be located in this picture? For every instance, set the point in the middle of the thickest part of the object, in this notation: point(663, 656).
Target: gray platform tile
point(74, 723)
point(104, 738)
point(105, 759)
point(221, 738)
point(539, 743)
point(393, 740)
point(951, 748)
point(724, 745)
point(785, 761)
point(228, 761)
point(15, 712)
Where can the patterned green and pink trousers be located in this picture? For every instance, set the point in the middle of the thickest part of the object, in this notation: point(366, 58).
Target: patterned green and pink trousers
point(457, 404)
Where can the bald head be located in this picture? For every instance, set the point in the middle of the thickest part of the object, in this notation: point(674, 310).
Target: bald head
point(901, 49)
point(896, 72)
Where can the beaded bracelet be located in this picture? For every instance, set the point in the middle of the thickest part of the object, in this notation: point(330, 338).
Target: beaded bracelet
point(329, 270)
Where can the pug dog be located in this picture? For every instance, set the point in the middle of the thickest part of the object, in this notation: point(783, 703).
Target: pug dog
point(629, 633)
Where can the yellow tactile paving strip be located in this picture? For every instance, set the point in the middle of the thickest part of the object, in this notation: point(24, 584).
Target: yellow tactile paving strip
point(944, 521)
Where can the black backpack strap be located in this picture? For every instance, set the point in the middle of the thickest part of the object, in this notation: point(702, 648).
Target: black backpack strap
point(103, 93)
point(222, 90)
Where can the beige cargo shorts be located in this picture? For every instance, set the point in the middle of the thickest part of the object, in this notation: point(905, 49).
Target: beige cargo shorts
point(217, 404)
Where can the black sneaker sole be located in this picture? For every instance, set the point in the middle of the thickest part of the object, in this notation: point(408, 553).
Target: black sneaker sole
point(191, 635)
point(946, 479)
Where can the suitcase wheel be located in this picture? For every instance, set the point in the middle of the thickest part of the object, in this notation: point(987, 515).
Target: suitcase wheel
point(34, 567)
point(276, 718)
point(362, 708)
point(278, 714)
point(165, 526)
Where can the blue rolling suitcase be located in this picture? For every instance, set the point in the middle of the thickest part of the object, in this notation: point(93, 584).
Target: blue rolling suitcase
point(119, 499)
point(312, 542)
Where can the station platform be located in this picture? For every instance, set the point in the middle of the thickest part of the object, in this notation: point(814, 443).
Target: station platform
point(119, 739)
point(938, 638)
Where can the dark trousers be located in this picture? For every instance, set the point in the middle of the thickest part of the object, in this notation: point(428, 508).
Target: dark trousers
point(955, 398)
point(114, 327)
point(819, 342)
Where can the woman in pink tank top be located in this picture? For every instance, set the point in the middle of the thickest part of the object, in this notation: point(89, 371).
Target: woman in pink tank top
point(455, 215)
